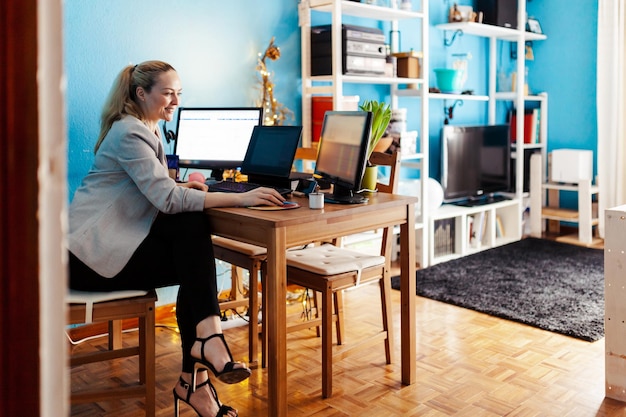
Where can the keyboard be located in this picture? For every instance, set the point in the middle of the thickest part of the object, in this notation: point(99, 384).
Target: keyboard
point(242, 187)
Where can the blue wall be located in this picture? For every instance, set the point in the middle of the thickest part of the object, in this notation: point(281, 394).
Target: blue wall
point(214, 46)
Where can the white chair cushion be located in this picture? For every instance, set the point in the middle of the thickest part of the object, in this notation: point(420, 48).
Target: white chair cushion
point(330, 260)
point(89, 298)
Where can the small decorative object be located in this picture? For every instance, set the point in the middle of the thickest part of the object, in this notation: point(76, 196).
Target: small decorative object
point(274, 112)
point(454, 14)
point(316, 200)
point(461, 14)
point(449, 80)
point(406, 5)
point(533, 26)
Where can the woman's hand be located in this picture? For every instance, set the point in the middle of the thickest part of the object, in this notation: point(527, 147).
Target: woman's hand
point(194, 184)
point(261, 196)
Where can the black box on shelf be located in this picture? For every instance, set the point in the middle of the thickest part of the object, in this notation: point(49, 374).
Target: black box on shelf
point(363, 50)
point(526, 184)
point(498, 12)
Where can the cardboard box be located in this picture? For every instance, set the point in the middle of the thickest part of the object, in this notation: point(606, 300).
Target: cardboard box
point(408, 64)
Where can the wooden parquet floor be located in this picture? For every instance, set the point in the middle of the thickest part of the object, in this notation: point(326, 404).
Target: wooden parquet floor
point(468, 364)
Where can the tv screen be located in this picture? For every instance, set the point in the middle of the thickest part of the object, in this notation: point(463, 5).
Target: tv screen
point(342, 153)
point(475, 162)
point(214, 138)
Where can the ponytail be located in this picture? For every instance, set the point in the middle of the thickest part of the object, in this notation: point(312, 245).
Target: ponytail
point(122, 97)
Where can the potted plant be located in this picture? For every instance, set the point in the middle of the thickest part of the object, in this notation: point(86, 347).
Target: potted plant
point(381, 115)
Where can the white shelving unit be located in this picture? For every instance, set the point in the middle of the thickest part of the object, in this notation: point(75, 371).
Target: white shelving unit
point(545, 207)
point(334, 84)
point(502, 220)
point(456, 231)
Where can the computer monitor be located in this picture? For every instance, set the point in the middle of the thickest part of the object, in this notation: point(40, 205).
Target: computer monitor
point(475, 163)
point(214, 138)
point(342, 154)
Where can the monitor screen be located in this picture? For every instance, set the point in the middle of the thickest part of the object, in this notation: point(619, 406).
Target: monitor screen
point(475, 161)
point(214, 138)
point(342, 154)
point(271, 151)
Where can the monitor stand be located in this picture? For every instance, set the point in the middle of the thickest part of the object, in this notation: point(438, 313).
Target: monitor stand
point(342, 195)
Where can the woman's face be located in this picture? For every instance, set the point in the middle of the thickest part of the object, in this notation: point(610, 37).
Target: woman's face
point(161, 102)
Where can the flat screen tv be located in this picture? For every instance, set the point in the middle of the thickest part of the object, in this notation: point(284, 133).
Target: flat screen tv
point(475, 163)
point(342, 154)
point(214, 138)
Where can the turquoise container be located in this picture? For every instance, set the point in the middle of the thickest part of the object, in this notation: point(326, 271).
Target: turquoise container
point(449, 80)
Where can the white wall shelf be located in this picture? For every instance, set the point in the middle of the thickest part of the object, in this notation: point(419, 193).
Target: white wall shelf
point(493, 34)
point(491, 31)
point(368, 11)
point(447, 96)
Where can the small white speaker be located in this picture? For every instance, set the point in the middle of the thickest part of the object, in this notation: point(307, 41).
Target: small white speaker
point(571, 165)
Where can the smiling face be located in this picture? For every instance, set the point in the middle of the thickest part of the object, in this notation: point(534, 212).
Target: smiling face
point(161, 101)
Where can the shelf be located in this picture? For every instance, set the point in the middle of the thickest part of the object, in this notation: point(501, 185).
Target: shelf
point(451, 210)
point(564, 215)
point(512, 96)
point(368, 11)
point(501, 224)
point(367, 79)
point(567, 187)
point(491, 31)
point(447, 96)
point(411, 156)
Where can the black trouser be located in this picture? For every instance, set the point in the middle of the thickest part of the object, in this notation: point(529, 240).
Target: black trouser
point(178, 250)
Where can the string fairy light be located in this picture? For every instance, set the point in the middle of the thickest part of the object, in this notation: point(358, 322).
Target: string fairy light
point(274, 112)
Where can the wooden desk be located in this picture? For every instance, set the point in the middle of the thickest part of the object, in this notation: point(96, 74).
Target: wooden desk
point(278, 230)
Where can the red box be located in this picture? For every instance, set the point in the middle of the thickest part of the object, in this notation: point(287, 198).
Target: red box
point(320, 105)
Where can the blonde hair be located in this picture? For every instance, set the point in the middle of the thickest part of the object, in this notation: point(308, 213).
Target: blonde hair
point(122, 99)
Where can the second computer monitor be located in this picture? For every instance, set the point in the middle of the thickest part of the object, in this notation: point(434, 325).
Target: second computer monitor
point(342, 154)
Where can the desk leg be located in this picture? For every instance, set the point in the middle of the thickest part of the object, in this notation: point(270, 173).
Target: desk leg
point(275, 316)
point(407, 290)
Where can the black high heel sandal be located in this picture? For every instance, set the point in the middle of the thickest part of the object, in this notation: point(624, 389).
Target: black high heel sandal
point(223, 411)
point(228, 375)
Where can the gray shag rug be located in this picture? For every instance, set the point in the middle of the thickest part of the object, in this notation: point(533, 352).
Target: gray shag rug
point(550, 285)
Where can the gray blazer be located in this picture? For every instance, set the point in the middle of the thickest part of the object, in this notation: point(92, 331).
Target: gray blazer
point(128, 185)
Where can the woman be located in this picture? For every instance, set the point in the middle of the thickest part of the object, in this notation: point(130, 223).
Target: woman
point(133, 227)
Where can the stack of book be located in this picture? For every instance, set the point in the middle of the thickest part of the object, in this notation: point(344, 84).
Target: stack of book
point(532, 124)
point(444, 237)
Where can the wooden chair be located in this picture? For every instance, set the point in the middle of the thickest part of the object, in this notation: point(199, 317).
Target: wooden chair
point(252, 259)
point(113, 307)
point(329, 269)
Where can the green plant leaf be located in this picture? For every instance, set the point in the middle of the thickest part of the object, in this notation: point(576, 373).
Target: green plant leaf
point(381, 116)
